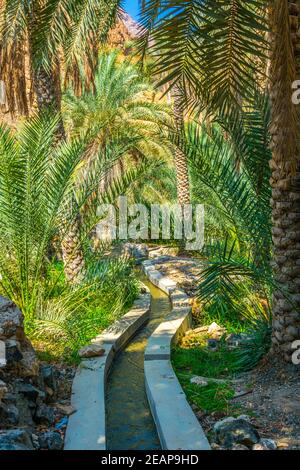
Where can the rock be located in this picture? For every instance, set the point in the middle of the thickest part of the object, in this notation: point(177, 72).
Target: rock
point(235, 340)
point(200, 329)
point(215, 331)
point(20, 355)
point(44, 414)
point(239, 447)
point(201, 381)
point(92, 350)
point(245, 418)
point(265, 444)
point(137, 251)
point(213, 344)
point(30, 392)
point(66, 410)
point(215, 446)
point(11, 320)
point(16, 439)
point(232, 431)
point(49, 376)
point(13, 352)
point(51, 440)
point(9, 414)
point(49, 393)
point(35, 441)
point(3, 389)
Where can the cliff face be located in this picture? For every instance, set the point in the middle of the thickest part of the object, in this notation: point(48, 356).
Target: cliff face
point(125, 30)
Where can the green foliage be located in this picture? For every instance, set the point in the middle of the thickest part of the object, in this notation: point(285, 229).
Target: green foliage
point(225, 158)
point(224, 166)
point(122, 107)
point(233, 289)
point(216, 43)
point(199, 361)
point(38, 180)
point(250, 353)
point(71, 27)
point(67, 318)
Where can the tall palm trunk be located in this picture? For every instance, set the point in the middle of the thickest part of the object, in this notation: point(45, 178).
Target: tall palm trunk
point(47, 90)
point(285, 130)
point(46, 86)
point(180, 160)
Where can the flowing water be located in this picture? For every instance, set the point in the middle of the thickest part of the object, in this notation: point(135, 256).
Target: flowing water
point(129, 423)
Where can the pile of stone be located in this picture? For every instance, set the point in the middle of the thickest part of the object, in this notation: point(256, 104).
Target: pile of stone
point(212, 334)
point(28, 390)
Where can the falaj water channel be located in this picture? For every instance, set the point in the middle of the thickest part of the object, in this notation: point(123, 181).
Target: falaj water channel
point(129, 423)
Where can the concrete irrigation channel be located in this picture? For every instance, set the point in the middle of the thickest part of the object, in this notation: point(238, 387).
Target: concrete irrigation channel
point(130, 398)
point(129, 423)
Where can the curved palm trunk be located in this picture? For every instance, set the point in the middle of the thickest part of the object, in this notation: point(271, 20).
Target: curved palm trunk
point(285, 129)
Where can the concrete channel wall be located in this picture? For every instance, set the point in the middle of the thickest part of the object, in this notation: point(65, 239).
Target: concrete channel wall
point(86, 427)
point(176, 423)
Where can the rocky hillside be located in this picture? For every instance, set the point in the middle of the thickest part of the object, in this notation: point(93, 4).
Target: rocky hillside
point(125, 30)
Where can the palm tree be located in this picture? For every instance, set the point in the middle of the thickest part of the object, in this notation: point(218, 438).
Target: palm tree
point(51, 33)
point(285, 180)
point(122, 105)
point(219, 47)
point(38, 37)
point(180, 159)
point(37, 181)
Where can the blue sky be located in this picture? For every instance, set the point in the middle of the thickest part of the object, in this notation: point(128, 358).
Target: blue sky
point(132, 7)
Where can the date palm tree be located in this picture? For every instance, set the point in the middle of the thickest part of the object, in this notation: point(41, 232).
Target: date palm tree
point(285, 180)
point(39, 37)
point(37, 182)
point(217, 51)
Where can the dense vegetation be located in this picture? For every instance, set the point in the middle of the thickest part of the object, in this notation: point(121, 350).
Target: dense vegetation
point(93, 125)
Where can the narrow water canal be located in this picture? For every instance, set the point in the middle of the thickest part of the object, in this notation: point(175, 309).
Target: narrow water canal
point(129, 423)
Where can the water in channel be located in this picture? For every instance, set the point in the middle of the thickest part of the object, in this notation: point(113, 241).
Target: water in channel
point(129, 423)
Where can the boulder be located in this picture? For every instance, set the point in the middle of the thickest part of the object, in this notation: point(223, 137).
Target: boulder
point(215, 331)
point(49, 376)
point(265, 444)
point(9, 414)
point(51, 440)
point(44, 414)
point(66, 410)
point(212, 344)
point(29, 391)
point(139, 252)
point(92, 350)
point(231, 431)
point(20, 356)
point(15, 439)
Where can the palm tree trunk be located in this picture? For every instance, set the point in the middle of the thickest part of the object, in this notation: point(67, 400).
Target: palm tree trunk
point(285, 130)
point(182, 174)
point(47, 90)
point(180, 160)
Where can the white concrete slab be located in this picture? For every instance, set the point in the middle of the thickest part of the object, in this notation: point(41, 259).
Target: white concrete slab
point(176, 423)
point(177, 426)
